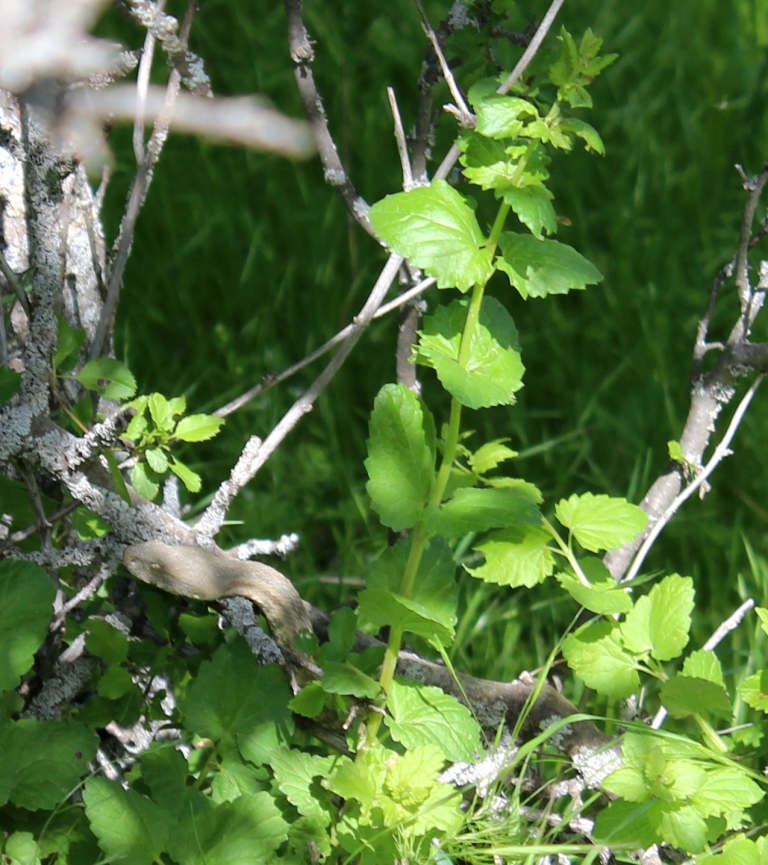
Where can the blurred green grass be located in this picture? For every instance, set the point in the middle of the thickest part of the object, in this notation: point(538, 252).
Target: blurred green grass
point(243, 263)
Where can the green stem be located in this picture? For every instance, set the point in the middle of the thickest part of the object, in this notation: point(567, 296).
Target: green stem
point(421, 535)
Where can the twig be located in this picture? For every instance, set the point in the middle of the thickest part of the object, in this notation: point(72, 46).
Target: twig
point(142, 84)
point(464, 115)
point(306, 401)
point(720, 452)
point(136, 199)
point(270, 381)
point(522, 64)
point(402, 147)
point(753, 185)
point(334, 171)
point(721, 632)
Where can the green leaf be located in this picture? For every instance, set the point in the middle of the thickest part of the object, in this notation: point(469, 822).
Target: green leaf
point(70, 341)
point(422, 714)
point(754, 690)
point(109, 377)
point(198, 427)
point(687, 695)
point(601, 522)
point(603, 595)
point(597, 657)
point(106, 642)
point(9, 383)
point(295, 773)
point(501, 116)
point(145, 481)
point(21, 848)
point(728, 789)
point(704, 664)
point(533, 207)
point(157, 459)
point(493, 372)
point(488, 456)
point(239, 715)
point(129, 827)
point(115, 683)
point(400, 462)
point(659, 622)
point(587, 133)
point(435, 229)
point(515, 557)
point(49, 758)
point(160, 412)
point(344, 678)
point(246, 830)
point(430, 612)
point(762, 614)
point(26, 607)
point(537, 268)
point(625, 823)
point(191, 480)
point(475, 510)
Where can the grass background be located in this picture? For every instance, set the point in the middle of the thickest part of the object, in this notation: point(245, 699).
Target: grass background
point(243, 263)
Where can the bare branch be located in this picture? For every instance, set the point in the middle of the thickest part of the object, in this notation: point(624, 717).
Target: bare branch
point(402, 147)
point(269, 381)
point(335, 173)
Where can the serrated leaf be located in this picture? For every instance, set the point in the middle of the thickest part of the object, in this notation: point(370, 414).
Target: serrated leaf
point(501, 116)
point(533, 207)
point(488, 456)
point(704, 664)
point(109, 377)
point(191, 480)
point(476, 510)
point(600, 522)
point(688, 695)
point(659, 622)
point(295, 773)
point(493, 372)
point(486, 162)
point(603, 595)
point(515, 557)
point(26, 606)
point(422, 715)
point(400, 462)
point(537, 268)
point(676, 452)
point(239, 716)
point(597, 657)
point(588, 134)
point(115, 683)
point(198, 427)
point(48, 760)
point(727, 789)
point(435, 229)
point(754, 690)
point(129, 827)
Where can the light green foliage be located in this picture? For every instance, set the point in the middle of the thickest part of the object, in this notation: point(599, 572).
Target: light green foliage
point(537, 268)
point(492, 372)
point(577, 66)
point(436, 230)
point(515, 557)
point(686, 794)
point(26, 599)
point(600, 522)
point(109, 377)
point(603, 595)
point(156, 426)
point(401, 457)
point(421, 715)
